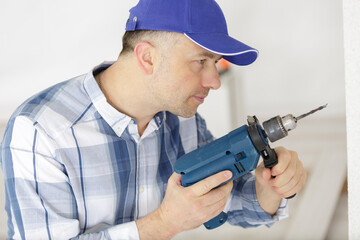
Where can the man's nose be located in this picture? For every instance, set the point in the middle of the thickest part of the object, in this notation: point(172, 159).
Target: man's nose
point(211, 79)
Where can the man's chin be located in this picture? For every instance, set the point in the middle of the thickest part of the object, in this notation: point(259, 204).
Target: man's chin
point(188, 115)
point(185, 113)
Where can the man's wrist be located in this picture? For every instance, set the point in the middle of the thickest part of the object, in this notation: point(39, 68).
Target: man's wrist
point(268, 200)
point(153, 226)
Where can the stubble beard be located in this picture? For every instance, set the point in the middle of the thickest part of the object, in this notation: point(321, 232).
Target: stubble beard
point(179, 105)
point(185, 111)
point(189, 105)
point(169, 99)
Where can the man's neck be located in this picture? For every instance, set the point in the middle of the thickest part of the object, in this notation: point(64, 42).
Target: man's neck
point(122, 88)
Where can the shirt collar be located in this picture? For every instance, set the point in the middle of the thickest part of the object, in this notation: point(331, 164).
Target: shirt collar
point(117, 120)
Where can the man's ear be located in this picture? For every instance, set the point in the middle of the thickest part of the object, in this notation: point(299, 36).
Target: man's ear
point(144, 53)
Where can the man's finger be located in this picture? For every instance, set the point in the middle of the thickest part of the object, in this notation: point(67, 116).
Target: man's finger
point(284, 157)
point(284, 184)
point(204, 186)
point(289, 173)
point(298, 186)
point(218, 194)
point(175, 179)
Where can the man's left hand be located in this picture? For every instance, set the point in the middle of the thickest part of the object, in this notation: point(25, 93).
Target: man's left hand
point(289, 177)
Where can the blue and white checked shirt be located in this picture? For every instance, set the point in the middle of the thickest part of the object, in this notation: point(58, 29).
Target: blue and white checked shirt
point(75, 167)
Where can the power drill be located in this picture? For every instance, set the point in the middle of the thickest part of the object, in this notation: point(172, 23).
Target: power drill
point(238, 151)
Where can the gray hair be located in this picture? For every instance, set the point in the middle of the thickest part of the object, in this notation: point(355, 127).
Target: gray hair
point(156, 38)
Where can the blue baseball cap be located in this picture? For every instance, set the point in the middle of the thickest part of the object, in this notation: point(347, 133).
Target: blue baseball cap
point(202, 21)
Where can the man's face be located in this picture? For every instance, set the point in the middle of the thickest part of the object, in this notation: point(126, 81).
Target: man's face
point(183, 78)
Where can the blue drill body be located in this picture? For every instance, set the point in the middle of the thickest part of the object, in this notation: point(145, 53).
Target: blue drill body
point(238, 151)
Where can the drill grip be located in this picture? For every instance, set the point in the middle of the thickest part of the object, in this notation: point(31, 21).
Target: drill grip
point(272, 153)
point(267, 153)
point(216, 221)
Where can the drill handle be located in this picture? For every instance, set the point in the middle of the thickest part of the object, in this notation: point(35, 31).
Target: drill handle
point(271, 158)
point(216, 221)
point(262, 146)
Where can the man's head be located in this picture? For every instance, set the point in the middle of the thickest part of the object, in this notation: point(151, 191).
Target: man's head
point(175, 52)
point(176, 73)
point(184, 76)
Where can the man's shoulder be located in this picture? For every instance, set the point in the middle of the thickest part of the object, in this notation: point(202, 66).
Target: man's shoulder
point(57, 107)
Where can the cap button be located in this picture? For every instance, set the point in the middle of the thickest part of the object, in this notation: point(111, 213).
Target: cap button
point(135, 19)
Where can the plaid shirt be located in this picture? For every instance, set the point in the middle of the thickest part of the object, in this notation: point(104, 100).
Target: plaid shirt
point(75, 167)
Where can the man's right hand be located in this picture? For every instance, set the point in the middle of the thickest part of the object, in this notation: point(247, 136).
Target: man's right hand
point(185, 208)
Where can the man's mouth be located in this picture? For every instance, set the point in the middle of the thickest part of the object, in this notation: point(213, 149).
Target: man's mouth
point(200, 98)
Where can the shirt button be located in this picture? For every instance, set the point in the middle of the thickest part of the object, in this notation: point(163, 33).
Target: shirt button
point(132, 121)
point(158, 119)
point(141, 189)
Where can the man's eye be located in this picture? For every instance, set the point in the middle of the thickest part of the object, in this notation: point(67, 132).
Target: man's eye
point(202, 61)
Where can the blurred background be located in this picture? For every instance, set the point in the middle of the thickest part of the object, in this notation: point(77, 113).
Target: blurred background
point(300, 67)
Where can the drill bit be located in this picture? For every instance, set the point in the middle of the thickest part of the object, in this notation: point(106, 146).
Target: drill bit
point(278, 127)
point(311, 112)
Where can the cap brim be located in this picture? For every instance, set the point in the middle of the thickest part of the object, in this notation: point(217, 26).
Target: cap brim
point(231, 49)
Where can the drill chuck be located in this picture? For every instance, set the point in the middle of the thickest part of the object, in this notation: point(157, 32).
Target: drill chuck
point(277, 127)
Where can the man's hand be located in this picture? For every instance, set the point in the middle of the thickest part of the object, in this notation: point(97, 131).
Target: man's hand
point(185, 208)
point(290, 177)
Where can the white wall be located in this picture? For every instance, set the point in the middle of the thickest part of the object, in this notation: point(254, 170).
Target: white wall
point(45, 42)
point(300, 64)
point(352, 67)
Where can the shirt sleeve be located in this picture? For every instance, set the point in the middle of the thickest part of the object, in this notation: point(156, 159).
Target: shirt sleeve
point(40, 201)
point(243, 208)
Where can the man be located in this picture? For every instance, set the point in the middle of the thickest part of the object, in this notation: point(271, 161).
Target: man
point(92, 157)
